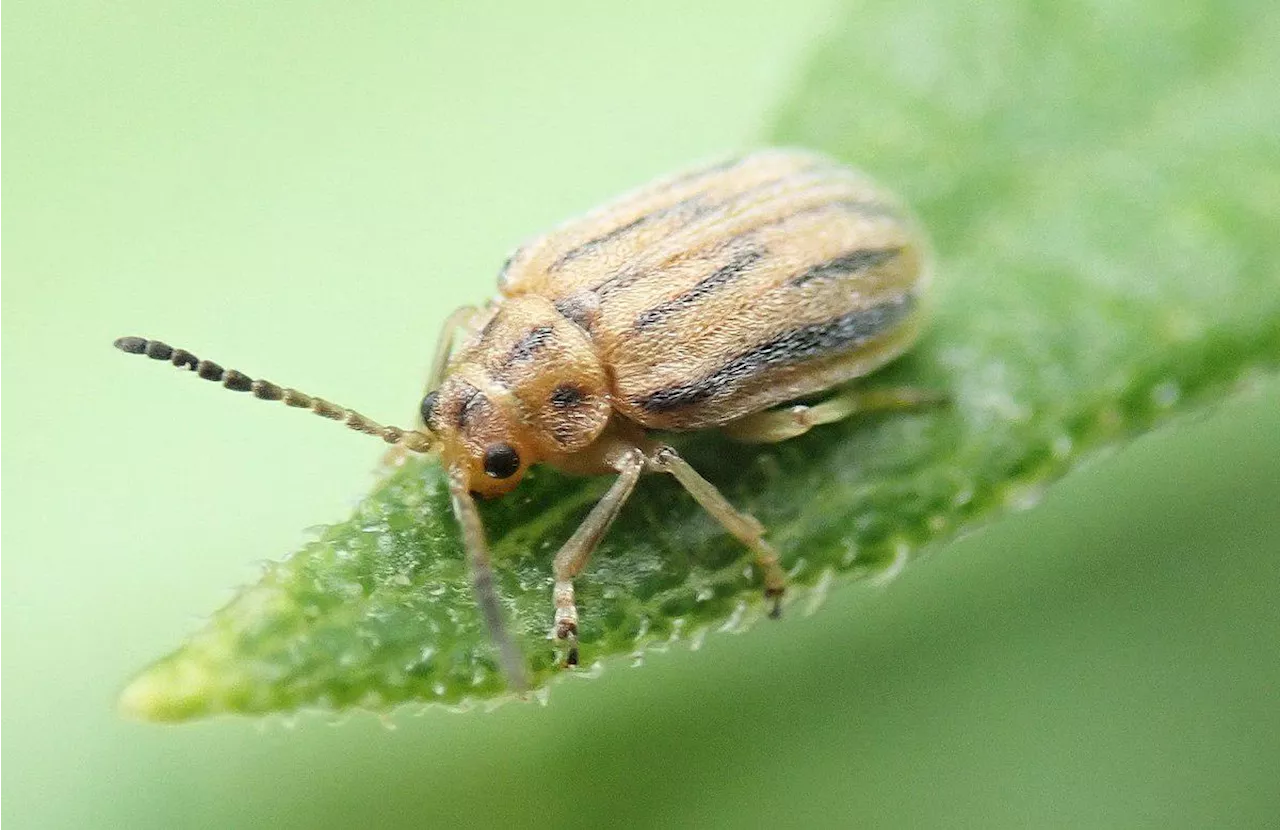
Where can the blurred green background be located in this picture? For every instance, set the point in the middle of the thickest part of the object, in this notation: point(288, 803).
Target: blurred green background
point(305, 192)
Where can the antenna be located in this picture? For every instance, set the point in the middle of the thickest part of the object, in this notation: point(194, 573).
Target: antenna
point(416, 440)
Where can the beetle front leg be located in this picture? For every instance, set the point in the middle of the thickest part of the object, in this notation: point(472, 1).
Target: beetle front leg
point(482, 583)
point(459, 321)
point(742, 525)
point(575, 553)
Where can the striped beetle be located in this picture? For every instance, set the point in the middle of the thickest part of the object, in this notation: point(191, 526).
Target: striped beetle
point(701, 300)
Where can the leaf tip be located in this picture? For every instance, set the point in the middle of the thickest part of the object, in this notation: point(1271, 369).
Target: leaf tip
point(168, 692)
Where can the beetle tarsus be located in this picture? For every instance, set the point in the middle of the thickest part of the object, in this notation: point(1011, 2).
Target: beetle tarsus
point(567, 632)
point(775, 594)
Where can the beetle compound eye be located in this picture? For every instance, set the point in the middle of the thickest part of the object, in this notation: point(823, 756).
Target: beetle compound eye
point(501, 461)
point(428, 406)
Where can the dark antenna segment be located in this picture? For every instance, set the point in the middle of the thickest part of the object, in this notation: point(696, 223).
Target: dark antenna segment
point(415, 440)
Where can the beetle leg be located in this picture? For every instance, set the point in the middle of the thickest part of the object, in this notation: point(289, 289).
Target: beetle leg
point(780, 424)
point(573, 556)
point(481, 569)
point(460, 319)
point(742, 525)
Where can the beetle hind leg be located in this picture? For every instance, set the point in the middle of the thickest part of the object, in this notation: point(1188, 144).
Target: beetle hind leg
point(742, 525)
point(776, 425)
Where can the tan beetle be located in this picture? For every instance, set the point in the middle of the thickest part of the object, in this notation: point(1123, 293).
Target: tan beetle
point(701, 300)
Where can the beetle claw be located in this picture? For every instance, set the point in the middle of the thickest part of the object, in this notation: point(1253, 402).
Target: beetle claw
point(775, 594)
point(567, 632)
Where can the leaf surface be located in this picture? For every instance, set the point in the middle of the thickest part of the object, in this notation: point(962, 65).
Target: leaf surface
point(1102, 188)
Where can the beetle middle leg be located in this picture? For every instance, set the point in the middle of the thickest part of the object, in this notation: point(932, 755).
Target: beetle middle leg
point(574, 554)
point(776, 425)
point(742, 525)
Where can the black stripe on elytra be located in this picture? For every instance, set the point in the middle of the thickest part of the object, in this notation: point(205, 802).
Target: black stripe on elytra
point(709, 170)
point(862, 207)
point(691, 207)
point(529, 345)
point(630, 275)
point(848, 331)
point(695, 206)
point(848, 263)
point(621, 279)
point(592, 244)
point(741, 262)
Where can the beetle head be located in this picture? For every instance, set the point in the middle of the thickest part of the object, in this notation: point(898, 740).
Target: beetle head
point(480, 434)
point(529, 386)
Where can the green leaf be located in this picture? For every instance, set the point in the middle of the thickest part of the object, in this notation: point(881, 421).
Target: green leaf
point(1102, 187)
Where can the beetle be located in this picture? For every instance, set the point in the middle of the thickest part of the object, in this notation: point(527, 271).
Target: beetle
point(702, 300)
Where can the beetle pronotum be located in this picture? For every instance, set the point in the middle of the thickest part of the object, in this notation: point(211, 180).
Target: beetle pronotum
point(699, 301)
